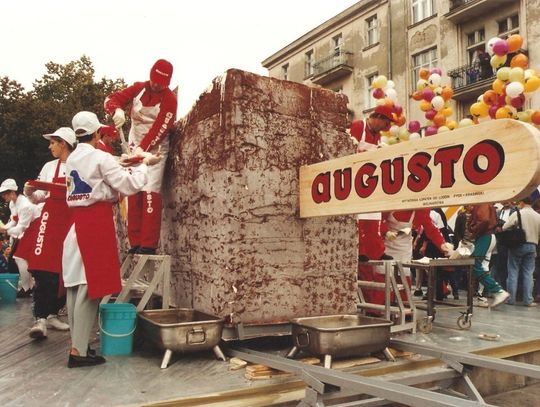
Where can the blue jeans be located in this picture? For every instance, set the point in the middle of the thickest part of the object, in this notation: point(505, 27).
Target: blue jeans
point(521, 259)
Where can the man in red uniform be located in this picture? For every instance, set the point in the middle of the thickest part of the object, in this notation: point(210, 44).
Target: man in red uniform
point(368, 135)
point(153, 113)
point(108, 135)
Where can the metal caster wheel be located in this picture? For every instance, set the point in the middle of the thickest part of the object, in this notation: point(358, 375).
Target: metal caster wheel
point(425, 326)
point(464, 322)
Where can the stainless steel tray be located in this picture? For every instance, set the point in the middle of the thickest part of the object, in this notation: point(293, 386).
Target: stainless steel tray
point(341, 335)
point(181, 330)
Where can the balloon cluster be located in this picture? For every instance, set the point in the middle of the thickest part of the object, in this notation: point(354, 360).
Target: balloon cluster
point(511, 87)
point(434, 101)
point(384, 92)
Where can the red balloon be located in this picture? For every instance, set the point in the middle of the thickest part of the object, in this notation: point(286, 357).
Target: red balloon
point(398, 110)
point(518, 101)
point(430, 114)
point(378, 93)
point(414, 126)
point(428, 94)
point(431, 130)
point(493, 111)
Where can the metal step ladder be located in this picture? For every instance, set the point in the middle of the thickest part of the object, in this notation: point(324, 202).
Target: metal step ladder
point(148, 272)
point(402, 313)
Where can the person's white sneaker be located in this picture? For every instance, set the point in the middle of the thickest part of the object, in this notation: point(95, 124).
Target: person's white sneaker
point(39, 330)
point(480, 301)
point(499, 298)
point(54, 322)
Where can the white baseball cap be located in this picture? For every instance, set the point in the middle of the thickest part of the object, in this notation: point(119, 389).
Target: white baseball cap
point(85, 123)
point(8, 185)
point(65, 133)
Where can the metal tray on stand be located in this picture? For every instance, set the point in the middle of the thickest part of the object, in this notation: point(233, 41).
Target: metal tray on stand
point(340, 335)
point(181, 330)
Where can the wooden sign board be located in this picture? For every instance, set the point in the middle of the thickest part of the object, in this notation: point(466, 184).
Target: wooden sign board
point(490, 162)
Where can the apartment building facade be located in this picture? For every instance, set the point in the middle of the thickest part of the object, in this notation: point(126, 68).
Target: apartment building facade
point(397, 38)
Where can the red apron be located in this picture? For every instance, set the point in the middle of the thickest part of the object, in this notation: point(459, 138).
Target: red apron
point(24, 244)
point(96, 237)
point(53, 225)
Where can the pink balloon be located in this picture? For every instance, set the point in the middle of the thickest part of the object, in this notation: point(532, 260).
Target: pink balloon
point(398, 110)
point(500, 48)
point(518, 101)
point(431, 130)
point(378, 93)
point(427, 94)
point(414, 126)
point(493, 111)
point(430, 114)
point(435, 70)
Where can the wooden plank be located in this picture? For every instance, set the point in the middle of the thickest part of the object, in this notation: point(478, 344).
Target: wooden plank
point(475, 164)
point(342, 364)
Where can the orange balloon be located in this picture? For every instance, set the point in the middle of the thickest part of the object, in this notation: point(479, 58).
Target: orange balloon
point(400, 121)
point(447, 93)
point(439, 120)
point(489, 97)
point(535, 117)
point(418, 95)
point(520, 61)
point(423, 73)
point(498, 86)
point(447, 111)
point(515, 41)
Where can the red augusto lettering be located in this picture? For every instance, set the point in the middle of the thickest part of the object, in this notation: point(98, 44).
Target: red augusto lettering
point(494, 154)
point(392, 181)
point(420, 173)
point(342, 183)
point(320, 188)
point(365, 189)
point(447, 157)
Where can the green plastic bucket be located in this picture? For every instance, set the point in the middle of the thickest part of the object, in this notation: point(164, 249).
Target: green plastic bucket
point(116, 325)
point(8, 288)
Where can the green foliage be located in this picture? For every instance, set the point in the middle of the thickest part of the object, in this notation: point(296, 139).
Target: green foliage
point(55, 98)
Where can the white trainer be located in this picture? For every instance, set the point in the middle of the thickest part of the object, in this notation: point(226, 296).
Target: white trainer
point(480, 301)
point(499, 298)
point(39, 330)
point(54, 322)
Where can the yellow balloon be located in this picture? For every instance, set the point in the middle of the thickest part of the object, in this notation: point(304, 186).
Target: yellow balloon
point(516, 74)
point(404, 136)
point(531, 84)
point(498, 61)
point(421, 84)
point(524, 116)
point(425, 105)
point(451, 124)
point(479, 109)
point(392, 140)
point(498, 86)
point(503, 113)
point(379, 82)
point(503, 74)
point(443, 129)
point(447, 111)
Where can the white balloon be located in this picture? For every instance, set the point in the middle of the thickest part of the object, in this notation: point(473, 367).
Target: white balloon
point(434, 80)
point(394, 130)
point(390, 84)
point(391, 94)
point(384, 140)
point(514, 89)
point(437, 102)
point(414, 136)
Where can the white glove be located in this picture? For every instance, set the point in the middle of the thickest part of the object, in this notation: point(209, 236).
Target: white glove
point(28, 190)
point(119, 117)
point(406, 231)
point(447, 249)
point(391, 235)
point(123, 160)
point(151, 159)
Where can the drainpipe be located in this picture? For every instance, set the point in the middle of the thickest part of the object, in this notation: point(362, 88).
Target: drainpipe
point(389, 75)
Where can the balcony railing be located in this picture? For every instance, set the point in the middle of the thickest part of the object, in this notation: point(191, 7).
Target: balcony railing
point(333, 67)
point(471, 74)
point(467, 10)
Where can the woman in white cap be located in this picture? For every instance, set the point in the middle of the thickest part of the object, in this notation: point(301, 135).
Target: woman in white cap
point(20, 228)
point(91, 267)
point(153, 112)
point(45, 261)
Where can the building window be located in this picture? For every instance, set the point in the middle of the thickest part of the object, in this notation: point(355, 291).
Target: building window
point(476, 41)
point(337, 43)
point(426, 59)
point(372, 34)
point(509, 26)
point(422, 9)
point(369, 101)
point(308, 69)
point(285, 72)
